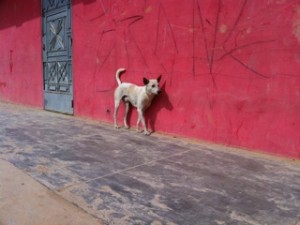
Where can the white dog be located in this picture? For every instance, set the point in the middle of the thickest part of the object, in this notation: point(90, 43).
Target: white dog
point(138, 96)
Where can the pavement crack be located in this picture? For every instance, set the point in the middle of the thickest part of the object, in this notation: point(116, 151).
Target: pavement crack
point(59, 190)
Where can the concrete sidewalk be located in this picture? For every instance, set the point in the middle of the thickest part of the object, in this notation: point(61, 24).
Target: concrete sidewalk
point(25, 201)
point(122, 177)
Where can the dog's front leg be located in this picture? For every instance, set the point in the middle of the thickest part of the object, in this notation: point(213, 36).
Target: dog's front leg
point(141, 118)
point(138, 124)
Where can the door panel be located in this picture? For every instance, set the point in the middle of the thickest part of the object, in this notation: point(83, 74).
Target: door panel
point(57, 56)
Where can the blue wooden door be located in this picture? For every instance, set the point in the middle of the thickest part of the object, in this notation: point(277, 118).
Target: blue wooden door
point(57, 55)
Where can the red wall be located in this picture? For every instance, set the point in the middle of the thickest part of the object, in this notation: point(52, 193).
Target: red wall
point(230, 68)
point(20, 52)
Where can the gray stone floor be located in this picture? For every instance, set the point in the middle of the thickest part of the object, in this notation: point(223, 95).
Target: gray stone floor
point(124, 177)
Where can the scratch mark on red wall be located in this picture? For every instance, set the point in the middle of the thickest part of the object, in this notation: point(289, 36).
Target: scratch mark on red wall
point(134, 19)
point(140, 52)
point(159, 22)
point(11, 63)
point(248, 67)
point(236, 22)
point(2, 84)
point(243, 46)
point(211, 60)
point(203, 33)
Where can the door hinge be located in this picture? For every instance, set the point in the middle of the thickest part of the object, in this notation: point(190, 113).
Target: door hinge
point(72, 104)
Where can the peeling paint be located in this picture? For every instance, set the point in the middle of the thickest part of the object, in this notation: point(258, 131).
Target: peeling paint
point(223, 28)
point(296, 23)
point(148, 9)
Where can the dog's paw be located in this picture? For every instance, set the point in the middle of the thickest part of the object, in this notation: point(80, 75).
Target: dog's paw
point(117, 127)
point(126, 127)
point(146, 132)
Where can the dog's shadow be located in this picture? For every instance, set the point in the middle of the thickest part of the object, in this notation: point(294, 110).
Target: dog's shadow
point(160, 102)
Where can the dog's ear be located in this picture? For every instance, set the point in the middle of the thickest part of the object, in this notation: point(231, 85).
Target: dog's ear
point(145, 80)
point(158, 79)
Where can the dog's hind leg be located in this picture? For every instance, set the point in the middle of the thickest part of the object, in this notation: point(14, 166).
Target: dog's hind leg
point(117, 104)
point(126, 113)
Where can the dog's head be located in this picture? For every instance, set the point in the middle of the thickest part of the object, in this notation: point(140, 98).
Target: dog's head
point(152, 85)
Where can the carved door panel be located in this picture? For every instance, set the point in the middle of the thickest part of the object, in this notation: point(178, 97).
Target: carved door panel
point(57, 55)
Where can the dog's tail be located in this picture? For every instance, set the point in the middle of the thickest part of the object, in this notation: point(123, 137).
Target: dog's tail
point(119, 71)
